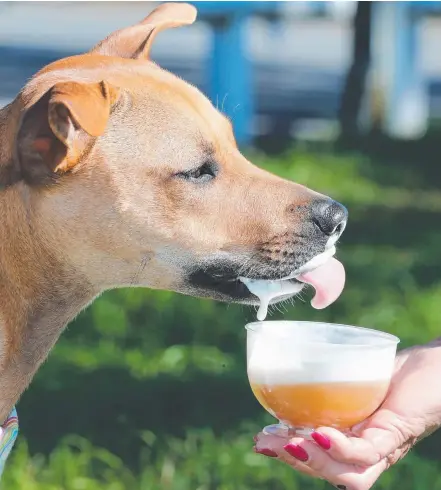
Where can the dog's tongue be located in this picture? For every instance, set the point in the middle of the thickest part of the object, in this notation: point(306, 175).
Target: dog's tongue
point(328, 281)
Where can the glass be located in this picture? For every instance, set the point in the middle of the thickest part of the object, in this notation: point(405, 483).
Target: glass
point(310, 374)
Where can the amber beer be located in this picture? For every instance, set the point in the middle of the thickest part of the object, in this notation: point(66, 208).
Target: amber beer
point(334, 404)
point(312, 374)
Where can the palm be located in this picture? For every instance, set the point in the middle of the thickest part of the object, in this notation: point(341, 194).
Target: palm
point(411, 411)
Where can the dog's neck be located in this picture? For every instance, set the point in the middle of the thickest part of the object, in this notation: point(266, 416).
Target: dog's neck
point(38, 296)
point(27, 336)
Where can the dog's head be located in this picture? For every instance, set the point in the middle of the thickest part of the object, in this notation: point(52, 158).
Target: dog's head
point(132, 177)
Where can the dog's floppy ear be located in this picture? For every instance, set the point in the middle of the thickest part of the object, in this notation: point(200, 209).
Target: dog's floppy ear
point(136, 41)
point(60, 127)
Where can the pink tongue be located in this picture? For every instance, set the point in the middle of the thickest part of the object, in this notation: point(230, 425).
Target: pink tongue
point(328, 281)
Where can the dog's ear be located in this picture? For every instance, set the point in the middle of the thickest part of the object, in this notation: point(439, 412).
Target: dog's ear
point(56, 132)
point(136, 41)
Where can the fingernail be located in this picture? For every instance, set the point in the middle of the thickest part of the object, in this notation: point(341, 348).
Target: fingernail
point(265, 452)
point(296, 451)
point(321, 440)
point(255, 438)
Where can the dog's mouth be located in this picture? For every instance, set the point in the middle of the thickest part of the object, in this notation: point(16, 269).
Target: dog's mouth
point(323, 272)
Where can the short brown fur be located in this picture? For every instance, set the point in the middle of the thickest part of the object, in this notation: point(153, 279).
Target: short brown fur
point(97, 192)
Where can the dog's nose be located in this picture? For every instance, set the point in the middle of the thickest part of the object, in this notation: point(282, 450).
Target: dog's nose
point(330, 216)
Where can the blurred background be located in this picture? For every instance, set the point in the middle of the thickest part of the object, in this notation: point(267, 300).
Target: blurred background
point(147, 390)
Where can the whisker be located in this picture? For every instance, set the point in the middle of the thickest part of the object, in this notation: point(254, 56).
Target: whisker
point(223, 101)
point(137, 274)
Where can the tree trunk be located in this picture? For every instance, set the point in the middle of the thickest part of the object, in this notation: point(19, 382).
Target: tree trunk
point(356, 78)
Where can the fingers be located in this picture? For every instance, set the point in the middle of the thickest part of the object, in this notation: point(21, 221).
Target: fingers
point(304, 456)
point(379, 437)
point(350, 450)
point(319, 461)
point(347, 462)
point(272, 446)
point(308, 458)
point(363, 480)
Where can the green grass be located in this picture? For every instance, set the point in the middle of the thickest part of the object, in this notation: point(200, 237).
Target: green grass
point(148, 390)
point(201, 461)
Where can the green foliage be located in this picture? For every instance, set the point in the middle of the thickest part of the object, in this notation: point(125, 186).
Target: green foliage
point(153, 385)
point(200, 461)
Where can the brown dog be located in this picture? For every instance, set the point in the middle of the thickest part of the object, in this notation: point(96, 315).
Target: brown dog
point(114, 172)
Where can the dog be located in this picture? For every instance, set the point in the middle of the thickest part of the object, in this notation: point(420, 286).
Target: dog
point(116, 173)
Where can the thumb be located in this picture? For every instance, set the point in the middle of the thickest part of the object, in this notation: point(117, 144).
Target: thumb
point(377, 438)
point(384, 432)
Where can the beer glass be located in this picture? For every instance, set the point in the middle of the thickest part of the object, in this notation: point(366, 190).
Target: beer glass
point(311, 374)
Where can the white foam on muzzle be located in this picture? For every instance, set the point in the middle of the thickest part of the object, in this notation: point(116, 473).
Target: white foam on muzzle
point(266, 291)
point(275, 361)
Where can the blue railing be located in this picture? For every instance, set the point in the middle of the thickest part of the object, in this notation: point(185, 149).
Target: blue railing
point(396, 38)
point(230, 71)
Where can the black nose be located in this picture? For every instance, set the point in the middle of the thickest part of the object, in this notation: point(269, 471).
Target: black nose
point(330, 216)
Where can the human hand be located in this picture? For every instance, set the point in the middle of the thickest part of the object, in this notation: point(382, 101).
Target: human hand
point(410, 412)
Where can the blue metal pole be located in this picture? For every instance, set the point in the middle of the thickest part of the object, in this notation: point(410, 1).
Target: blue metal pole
point(408, 91)
point(231, 74)
point(397, 74)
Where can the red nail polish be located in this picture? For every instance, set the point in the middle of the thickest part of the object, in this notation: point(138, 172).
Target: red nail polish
point(321, 440)
point(297, 451)
point(266, 452)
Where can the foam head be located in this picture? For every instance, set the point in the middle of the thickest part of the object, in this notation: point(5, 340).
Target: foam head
point(310, 352)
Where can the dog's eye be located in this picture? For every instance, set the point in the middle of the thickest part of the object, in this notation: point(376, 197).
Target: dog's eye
point(204, 173)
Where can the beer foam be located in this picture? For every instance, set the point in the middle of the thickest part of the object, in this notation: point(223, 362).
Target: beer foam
point(266, 291)
point(292, 363)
